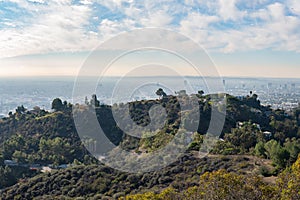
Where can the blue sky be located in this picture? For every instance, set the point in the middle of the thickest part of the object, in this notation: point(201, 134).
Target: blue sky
point(243, 38)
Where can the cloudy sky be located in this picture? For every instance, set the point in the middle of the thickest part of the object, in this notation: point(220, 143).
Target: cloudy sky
point(242, 37)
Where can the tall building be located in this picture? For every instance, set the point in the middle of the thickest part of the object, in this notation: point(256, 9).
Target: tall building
point(293, 85)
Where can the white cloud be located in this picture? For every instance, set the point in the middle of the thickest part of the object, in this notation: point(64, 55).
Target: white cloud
point(113, 4)
point(229, 11)
point(157, 19)
point(109, 28)
point(7, 23)
point(218, 25)
point(271, 28)
point(260, 14)
point(57, 28)
point(198, 21)
point(276, 11)
point(294, 6)
point(86, 2)
point(36, 1)
point(61, 2)
point(196, 26)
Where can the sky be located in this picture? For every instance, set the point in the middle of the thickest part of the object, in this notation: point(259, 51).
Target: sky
point(257, 38)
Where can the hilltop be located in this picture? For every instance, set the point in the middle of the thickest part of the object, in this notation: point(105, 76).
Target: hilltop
point(255, 141)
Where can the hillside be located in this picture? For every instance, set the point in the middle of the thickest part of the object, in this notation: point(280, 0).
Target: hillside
point(256, 141)
point(90, 181)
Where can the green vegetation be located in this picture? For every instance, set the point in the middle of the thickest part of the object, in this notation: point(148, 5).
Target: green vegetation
point(89, 181)
point(223, 185)
point(256, 143)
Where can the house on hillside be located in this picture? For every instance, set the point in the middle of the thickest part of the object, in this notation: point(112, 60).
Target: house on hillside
point(267, 134)
point(239, 124)
point(10, 163)
point(46, 169)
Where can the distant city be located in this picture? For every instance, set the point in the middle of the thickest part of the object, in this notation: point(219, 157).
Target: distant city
point(31, 92)
point(279, 93)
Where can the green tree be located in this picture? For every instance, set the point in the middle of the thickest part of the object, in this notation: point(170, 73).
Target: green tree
point(1, 160)
point(260, 150)
point(293, 147)
point(20, 109)
point(160, 92)
point(271, 147)
point(277, 153)
point(200, 93)
point(57, 104)
point(94, 101)
point(244, 137)
point(19, 156)
point(7, 177)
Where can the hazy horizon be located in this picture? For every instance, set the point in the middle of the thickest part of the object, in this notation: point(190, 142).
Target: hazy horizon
point(141, 76)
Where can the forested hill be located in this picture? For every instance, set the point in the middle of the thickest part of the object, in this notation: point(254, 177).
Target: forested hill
point(43, 138)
